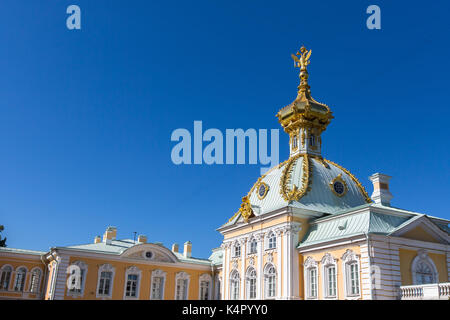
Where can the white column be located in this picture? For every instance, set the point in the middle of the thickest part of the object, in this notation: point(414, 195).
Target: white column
point(243, 243)
point(259, 272)
point(279, 233)
point(225, 271)
point(291, 266)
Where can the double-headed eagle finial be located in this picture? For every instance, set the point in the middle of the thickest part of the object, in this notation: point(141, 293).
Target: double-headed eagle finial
point(303, 60)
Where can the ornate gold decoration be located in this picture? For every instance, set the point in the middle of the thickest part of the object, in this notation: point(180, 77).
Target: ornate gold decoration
point(356, 181)
point(339, 178)
point(304, 112)
point(278, 166)
point(265, 190)
point(246, 209)
point(295, 193)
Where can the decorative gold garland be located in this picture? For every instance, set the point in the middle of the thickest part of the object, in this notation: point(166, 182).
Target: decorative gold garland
point(295, 193)
point(360, 186)
point(257, 183)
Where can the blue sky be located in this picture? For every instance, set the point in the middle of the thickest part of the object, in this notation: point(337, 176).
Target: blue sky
point(86, 116)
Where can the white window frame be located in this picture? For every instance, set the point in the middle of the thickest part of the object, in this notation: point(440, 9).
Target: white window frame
point(105, 268)
point(271, 235)
point(35, 285)
point(422, 256)
point(252, 240)
point(204, 278)
point(160, 274)
point(310, 264)
point(10, 271)
point(132, 271)
point(237, 250)
point(349, 258)
point(248, 278)
point(327, 262)
point(237, 280)
point(267, 267)
point(83, 266)
point(185, 277)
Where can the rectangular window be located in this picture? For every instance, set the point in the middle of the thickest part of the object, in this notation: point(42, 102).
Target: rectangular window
point(331, 273)
point(204, 290)
point(237, 251)
point(253, 246)
point(181, 289)
point(354, 279)
point(132, 283)
point(74, 289)
point(157, 288)
point(312, 282)
point(105, 283)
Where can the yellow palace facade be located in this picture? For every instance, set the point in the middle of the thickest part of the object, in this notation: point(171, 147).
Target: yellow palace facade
point(306, 230)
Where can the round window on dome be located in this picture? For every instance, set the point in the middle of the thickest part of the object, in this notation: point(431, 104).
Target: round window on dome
point(262, 190)
point(338, 186)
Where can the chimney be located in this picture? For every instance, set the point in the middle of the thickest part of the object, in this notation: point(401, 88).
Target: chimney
point(175, 247)
point(187, 249)
point(97, 239)
point(110, 234)
point(142, 239)
point(381, 194)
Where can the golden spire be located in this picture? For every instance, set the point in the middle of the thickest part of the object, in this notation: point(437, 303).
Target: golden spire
point(302, 61)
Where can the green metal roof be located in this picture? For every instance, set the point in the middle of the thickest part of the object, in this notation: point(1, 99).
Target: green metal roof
point(22, 251)
point(342, 226)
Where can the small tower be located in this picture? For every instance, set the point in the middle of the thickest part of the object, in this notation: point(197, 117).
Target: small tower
point(304, 119)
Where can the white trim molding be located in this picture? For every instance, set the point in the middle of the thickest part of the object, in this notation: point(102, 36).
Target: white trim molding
point(422, 257)
point(328, 263)
point(105, 268)
point(158, 273)
point(83, 274)
point(132, 271)
point(349, 259)
point(205, 277)
point(183, 276)
point(310, 265)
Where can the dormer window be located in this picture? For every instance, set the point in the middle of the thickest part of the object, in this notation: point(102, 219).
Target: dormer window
point(294, 143)
point(312, 140)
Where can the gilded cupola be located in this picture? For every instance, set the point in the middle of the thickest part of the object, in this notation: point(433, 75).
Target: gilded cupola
point(304, 119)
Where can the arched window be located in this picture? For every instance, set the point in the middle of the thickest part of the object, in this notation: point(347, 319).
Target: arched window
point(19, 284)
point(237, 250)
point(351, 274)
point(181, 286)
point(5, 277)
point(132, 283)
point(253, 246)
point(105, 280)
point(234, 285)
point(35, 280)
point(310, 274)
point(251, 283)
point(270, 281)
point(272, 241)
point(205, 286)
point(423, 269)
